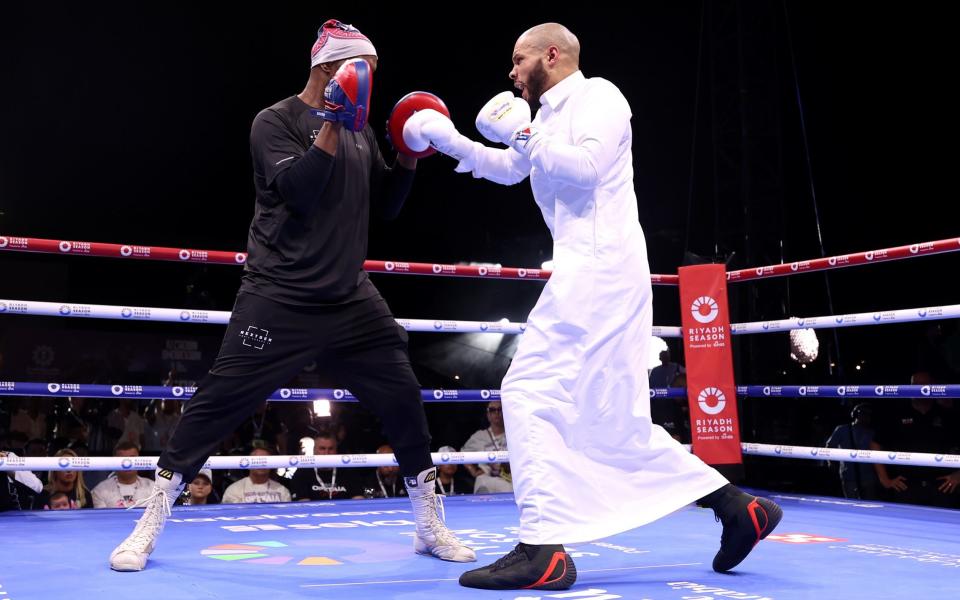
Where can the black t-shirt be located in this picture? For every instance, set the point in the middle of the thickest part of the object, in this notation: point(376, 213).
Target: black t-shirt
point(909, 430)
point(324, 484)
point(382, 487)
point(14, 495)
point(311, 252)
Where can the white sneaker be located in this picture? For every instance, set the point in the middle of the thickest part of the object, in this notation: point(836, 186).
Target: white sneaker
point(432, 536)
point(132, 553)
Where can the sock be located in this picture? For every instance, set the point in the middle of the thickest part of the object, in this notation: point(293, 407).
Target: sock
point(167, 480)
point(429, 476)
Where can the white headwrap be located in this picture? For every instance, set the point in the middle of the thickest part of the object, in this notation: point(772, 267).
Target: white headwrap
point(337, 40)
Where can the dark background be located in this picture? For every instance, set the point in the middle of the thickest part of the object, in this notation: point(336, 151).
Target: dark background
point(130, 123)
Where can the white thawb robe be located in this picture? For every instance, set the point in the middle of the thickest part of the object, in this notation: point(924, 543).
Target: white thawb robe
point(588, 461)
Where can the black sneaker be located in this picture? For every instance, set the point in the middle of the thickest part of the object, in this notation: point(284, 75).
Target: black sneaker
point(746, 520)
point(525, 567)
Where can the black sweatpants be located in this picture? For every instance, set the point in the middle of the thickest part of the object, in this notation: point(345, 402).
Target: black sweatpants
point(267, 343)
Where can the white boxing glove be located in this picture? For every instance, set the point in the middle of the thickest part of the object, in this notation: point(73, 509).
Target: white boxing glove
point(413, 135)
point(431, 128)
point(506, 119)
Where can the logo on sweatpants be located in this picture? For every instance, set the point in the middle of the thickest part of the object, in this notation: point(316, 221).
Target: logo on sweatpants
point(255, 337)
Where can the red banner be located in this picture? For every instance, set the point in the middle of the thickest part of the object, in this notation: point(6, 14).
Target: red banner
point(711, 391)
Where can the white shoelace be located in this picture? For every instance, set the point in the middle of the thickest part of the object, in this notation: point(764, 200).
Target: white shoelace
point(433, 517)
point(151, 523)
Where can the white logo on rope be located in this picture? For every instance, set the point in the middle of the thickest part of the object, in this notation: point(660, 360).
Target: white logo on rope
point(3, 242)
point(338, 394)
point(521, 273)
point(184, 255)
point(53, 387)
point(116, 390)
point(284, 393)
point(65, 246)
point(240, 258)
point(712, 392)
point(177, 391)
point(388, 266)
point(437, 268)
point(704, 303)
point(126, 250)
point(914, 248)
point(438, 394)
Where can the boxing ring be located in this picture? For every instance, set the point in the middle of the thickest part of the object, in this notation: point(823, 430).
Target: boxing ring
point(824, 547)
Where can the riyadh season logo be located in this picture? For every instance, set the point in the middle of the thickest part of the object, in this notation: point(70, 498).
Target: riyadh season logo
point(704, 309)
point(715, 394)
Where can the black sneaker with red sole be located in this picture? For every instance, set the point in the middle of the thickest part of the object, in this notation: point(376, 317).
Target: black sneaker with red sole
point(526, 567)
point(746, 520)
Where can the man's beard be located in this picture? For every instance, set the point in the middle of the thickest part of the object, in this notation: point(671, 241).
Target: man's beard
point(536, 81)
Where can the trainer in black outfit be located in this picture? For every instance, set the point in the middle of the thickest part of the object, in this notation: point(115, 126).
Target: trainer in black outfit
point(318, 172)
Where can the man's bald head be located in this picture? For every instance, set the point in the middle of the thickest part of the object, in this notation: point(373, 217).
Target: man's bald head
point(542, 37)
point(543, 55)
